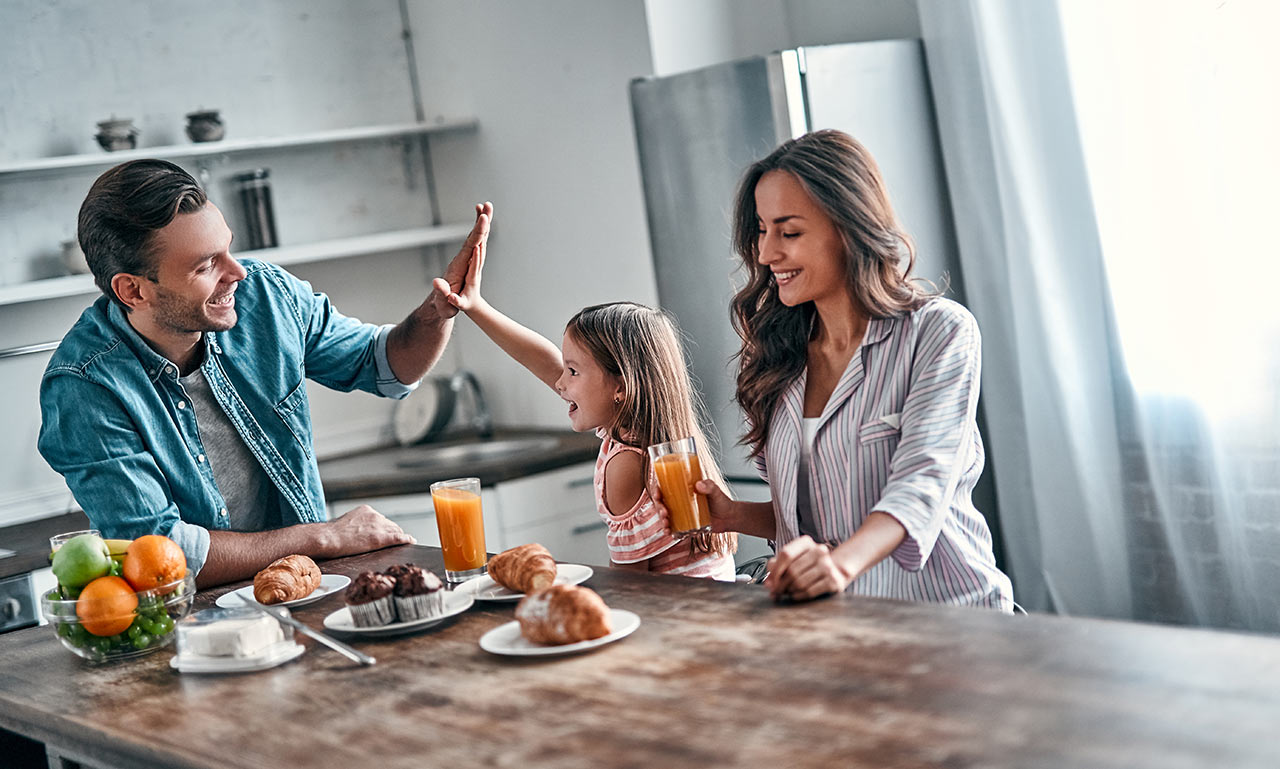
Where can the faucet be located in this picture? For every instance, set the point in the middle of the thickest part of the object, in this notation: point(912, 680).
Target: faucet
point(481, 421)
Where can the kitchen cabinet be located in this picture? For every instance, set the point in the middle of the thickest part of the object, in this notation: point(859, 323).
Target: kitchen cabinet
point(555, 508)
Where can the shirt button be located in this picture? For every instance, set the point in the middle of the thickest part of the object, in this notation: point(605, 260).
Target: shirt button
point(200, 458)
point(223, 512)
point(170, 371)
point(182, 405)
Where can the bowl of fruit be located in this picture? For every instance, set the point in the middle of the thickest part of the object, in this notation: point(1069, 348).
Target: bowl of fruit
point(117, 599)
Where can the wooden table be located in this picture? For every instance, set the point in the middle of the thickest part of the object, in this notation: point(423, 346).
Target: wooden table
point(717, 675)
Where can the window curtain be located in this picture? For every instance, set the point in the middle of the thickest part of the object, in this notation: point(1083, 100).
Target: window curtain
point(1035, 281)
point(1132, 432)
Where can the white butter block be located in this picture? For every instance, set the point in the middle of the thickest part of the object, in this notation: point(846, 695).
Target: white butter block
point(233, 637)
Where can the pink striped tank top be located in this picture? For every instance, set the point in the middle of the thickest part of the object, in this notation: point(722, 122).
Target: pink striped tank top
point(643, 532)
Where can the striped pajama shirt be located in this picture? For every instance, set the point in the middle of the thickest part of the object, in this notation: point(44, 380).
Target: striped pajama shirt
point(899, 435)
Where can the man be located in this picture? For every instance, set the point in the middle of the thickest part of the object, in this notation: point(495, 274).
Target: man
point(176, 404)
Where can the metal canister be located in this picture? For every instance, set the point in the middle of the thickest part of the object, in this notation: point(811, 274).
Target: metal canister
point(259, 216)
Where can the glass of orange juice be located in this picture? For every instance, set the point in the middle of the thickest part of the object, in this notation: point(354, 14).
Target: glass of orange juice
point(677, 467)
point(461, 525)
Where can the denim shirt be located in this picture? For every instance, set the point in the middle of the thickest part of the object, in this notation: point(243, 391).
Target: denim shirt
point(118, 426)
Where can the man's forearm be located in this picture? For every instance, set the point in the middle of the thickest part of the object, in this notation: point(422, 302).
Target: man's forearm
point(418, 341)
point(237, 555)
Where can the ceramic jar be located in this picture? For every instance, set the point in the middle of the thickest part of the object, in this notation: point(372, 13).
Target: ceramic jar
point(205, 126)
point(117, 134)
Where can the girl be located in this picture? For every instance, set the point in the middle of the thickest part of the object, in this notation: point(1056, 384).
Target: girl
point(624, 375)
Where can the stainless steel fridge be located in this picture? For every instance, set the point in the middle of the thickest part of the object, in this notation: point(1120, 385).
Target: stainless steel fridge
point(698, 131)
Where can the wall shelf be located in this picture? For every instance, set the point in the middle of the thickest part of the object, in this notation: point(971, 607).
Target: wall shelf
point(336, 136)
point(338, 248)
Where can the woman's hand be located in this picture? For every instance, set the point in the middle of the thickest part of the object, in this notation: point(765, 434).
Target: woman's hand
point(804, 570)
point(724, 510)
point(460, 286)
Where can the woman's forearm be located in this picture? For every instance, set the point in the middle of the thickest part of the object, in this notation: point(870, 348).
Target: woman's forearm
point(751, 518)
point(875, 539)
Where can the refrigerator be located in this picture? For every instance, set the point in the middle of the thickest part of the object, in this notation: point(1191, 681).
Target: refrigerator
point(697, 131)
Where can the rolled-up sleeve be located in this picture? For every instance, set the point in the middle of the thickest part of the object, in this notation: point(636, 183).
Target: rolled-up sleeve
point(388, 384)
point(936, 444)
point(194, 541)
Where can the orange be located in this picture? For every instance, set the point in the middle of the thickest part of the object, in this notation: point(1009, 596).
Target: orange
point(152, 561)
point(107, 606)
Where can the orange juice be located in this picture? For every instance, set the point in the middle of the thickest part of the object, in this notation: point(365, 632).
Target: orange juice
point(676, 475)
point(461, 524)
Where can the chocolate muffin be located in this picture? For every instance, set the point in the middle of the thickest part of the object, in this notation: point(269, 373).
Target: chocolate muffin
point(419, 593)
point(369, 599)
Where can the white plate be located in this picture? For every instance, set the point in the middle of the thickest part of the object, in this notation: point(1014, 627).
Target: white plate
point(485, 589)
point(341, 621)
point(506, 639)
point(329, 583)
point(276, 654)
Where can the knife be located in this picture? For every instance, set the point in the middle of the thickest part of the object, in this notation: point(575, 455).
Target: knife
point(338, 646)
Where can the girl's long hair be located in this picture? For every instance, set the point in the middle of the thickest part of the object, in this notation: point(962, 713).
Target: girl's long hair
point(842, 178)
point(641, 346)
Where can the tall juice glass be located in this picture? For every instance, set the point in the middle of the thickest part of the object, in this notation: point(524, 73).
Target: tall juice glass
point(677, 467)
point(461, 523)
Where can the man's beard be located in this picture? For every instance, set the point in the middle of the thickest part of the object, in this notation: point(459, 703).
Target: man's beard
point(184, 316)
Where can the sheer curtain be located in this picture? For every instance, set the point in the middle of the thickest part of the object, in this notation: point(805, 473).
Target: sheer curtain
point(1179, 122)
point(1132, 431)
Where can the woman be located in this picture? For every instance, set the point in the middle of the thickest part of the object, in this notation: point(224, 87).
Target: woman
point(860, 389)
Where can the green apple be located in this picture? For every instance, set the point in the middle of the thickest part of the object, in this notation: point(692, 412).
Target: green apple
point(81, 560)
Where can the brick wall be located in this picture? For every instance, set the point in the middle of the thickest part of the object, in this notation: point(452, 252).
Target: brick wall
point(1203, 523)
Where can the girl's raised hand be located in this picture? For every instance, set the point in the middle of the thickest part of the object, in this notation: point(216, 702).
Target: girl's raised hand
point(461, 281)
point(469, 295)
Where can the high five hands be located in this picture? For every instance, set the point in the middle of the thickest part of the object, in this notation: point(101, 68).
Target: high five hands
point(460, 286)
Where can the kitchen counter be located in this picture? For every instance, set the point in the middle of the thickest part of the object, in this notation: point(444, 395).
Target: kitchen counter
point(412, 469)
point(716, 675)
point(30, 541)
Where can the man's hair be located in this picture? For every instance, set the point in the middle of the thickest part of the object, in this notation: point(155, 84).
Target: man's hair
point(124, 209)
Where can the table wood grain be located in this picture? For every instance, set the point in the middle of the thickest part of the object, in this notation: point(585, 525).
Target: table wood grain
point(716, 675)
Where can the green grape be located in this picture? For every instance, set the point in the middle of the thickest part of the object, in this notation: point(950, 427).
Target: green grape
point(135, 630)
point(165, 625)
point(79, 636)
point(142, 641)
point(64, 630)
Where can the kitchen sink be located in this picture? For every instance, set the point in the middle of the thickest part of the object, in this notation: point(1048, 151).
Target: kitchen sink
point(427, 455)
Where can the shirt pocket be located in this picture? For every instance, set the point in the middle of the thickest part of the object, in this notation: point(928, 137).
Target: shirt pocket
point(879, 429)
point(294, 413)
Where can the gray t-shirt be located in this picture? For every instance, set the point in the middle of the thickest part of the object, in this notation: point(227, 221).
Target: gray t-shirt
point(252, 501)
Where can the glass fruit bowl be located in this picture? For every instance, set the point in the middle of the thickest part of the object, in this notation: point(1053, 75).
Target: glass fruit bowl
point(113, 628)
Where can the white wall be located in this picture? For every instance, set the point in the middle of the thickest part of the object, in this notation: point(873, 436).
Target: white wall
point(688, 34)
point(555, 152)
point(273, 69)
point(556, 155)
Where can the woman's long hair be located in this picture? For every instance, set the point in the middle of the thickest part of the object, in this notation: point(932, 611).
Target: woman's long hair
point(641, 346)
point(843, 180)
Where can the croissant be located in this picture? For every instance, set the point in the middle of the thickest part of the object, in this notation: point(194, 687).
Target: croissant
point(523, 569)
point(563, 614)
point(286, 579)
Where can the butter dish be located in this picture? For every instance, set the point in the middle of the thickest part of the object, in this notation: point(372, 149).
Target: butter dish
point(238, 640)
